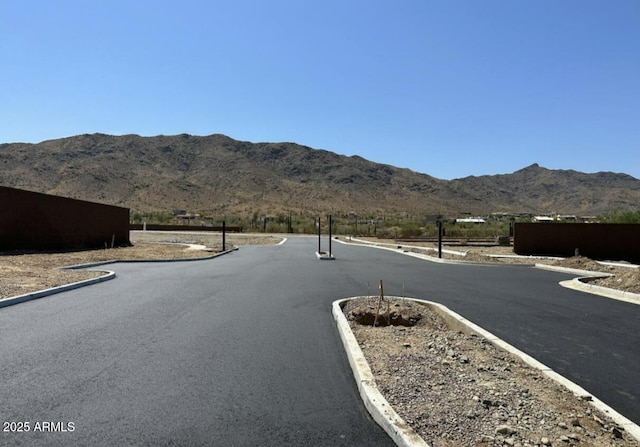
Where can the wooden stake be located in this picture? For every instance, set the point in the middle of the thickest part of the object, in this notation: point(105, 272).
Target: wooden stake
point(380, 298)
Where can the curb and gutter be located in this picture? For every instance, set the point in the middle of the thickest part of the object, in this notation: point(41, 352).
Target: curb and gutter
point(401, 433)
point(109, 275)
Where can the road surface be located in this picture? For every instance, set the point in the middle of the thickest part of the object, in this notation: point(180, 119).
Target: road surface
point(242, 350)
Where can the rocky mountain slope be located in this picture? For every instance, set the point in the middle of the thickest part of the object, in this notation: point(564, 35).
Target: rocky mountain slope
point(218, 174)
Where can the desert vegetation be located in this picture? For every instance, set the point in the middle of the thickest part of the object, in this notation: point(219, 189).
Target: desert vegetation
point(398, 225)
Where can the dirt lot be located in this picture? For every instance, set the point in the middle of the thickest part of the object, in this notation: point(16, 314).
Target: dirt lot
point(456, 389)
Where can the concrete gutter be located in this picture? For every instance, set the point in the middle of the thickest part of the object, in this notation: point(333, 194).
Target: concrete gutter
point(109, 275)
point(388, 419)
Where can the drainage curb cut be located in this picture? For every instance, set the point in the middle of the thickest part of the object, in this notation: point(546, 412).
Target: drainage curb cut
point(88, 282)
point(389, 420)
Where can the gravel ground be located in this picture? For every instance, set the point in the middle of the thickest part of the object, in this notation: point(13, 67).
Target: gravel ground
point(456, 389)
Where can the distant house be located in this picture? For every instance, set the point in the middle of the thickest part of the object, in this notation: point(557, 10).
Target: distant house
point(476, 220)
point(542, 219)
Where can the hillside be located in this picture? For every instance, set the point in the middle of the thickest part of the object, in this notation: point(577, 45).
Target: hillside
point(221, 175)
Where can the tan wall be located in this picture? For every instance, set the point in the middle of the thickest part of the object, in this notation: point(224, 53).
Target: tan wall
point(30, 220)
point(597, 241)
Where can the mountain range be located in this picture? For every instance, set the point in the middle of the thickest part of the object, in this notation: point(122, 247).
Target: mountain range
point(217, 174)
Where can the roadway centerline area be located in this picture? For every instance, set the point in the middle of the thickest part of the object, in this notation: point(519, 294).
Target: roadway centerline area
point(242, 349)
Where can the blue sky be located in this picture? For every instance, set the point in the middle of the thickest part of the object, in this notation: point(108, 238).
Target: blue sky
point(449, 88)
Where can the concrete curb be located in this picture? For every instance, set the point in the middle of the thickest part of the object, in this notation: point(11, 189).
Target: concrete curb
point(88, 282)
point(389, 420)
point(134, 261)
point(578, 283)
point(581, 284)
point(426, 257)
point(376, 404)
point(422, 256)
point(579, 272)
point(325, 256)
point(47, 292)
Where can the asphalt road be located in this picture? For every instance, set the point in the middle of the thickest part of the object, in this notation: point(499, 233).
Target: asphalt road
point(242, 350)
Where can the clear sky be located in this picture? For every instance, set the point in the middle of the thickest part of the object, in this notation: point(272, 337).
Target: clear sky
point(449, 88)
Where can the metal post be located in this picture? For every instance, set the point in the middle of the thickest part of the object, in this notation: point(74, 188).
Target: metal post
point(330, 222)
point(224, 235)
point(319, 233)
point(439, 238)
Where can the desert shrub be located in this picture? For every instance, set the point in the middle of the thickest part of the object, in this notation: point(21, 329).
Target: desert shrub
point(622, 217)
point(410, 230)
point(388, 233)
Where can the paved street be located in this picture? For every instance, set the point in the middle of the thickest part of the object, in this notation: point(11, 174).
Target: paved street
point(242, 350)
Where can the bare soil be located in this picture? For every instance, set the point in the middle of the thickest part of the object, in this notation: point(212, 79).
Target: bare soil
point(456, 389)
